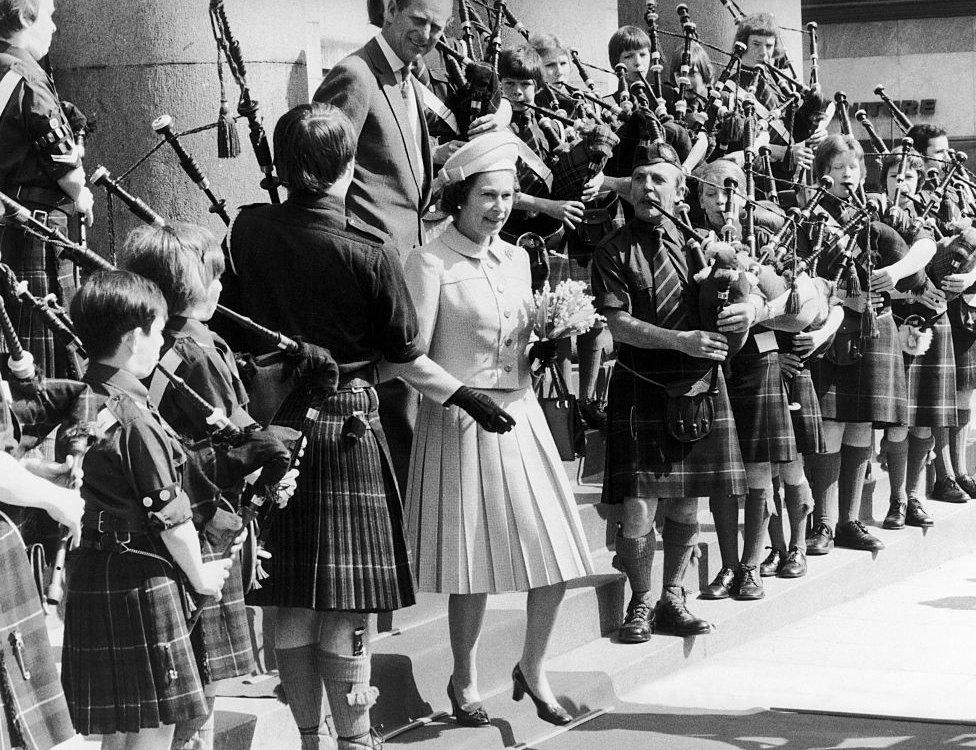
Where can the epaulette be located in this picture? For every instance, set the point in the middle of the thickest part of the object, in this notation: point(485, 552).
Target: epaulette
point(357, 226)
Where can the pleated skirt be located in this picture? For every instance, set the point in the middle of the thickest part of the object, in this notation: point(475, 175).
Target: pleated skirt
point(33, 712)
point(931, 381)
point(762, 416)
point(338, 544)
point(489, 513)
point(807, 420)
point(127, 662)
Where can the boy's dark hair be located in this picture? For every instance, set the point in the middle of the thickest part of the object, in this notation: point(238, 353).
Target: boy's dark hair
point(626, 39)
point(109, 305)
point(914, 163)
point(13, 14)
point(834, 145)
point(313, 145)
point(759, 24)
point(182, 259)
point(700, 61)
point(520, 63)
point(923, 133)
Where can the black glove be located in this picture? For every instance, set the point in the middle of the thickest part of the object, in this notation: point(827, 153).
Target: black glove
point(261, 449)
point(313, 362)
point(482, 409)
point(545, 351)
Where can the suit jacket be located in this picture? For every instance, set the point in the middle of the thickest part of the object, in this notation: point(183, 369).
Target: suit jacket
point(390, 189)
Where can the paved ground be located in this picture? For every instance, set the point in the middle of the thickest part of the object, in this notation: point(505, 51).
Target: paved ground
point(899, 663)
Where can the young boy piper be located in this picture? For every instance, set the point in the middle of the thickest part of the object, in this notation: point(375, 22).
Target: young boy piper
point(125, 613)
point(186, 262)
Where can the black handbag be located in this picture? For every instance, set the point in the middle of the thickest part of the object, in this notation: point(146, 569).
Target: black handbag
point(562, 414)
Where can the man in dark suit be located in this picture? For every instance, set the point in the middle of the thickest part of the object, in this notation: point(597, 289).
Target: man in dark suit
point(376, 87)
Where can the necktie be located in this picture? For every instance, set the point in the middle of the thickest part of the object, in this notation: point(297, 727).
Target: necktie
point(668, 298)
point(413, 113)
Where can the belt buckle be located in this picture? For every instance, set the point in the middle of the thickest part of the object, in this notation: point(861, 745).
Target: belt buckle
point(40, 216)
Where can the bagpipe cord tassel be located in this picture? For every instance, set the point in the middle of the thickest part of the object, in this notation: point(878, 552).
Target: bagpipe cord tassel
point(228, 140)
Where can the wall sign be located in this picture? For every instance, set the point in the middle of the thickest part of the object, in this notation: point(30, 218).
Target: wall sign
point(916, 107)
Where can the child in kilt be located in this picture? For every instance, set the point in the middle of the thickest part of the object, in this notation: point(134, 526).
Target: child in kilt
point(930, 374)
point(186, 262)
point(861, 380)
point(129, 669)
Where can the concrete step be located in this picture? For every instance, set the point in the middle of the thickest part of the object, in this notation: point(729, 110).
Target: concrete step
point(590, 678)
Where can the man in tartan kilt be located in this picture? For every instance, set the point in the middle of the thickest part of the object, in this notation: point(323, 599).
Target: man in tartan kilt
point(186, 262)
point(642, 284)
point(40, 166)
point(33, 711)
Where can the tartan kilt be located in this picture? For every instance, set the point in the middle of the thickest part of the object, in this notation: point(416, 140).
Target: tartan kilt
point(760, 409)
point(222, 636)
point(963, 347)
point(931, 381)
point(127, 662)
point(870, 390)
point(339, 544)
point(34, 711)
point(644, 462)
point(807, 420)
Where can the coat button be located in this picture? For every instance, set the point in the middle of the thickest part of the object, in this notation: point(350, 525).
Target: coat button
point(508, 368)
point(500, 288)
point(508, 342)
point(508, 313)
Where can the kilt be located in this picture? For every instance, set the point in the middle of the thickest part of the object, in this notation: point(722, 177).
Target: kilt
point(644, 462)
point(127, 663)
point(870, 390)
point(963, 347)
point(338, 545)
point(760, 409)
point(34, 712)
point(931, 381)
point(222, 636)
point(807, 420)
point(490, 513)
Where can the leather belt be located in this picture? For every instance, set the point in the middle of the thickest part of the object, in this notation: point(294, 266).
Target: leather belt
point(100, 522)
point(361, 377)
point(43, 196)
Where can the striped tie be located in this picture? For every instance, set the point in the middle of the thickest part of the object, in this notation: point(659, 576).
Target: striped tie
point(671, 312)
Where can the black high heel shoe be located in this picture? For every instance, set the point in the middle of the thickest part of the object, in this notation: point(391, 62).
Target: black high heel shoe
point(476, 716)
point(553, 713)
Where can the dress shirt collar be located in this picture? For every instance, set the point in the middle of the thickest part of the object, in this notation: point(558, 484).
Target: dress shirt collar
point(469, 248)
point(21, 54)
point(391, 57)
point(116, 380)
point(179, 325)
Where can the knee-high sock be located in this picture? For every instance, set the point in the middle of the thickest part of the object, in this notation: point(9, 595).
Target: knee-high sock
point(346, 680)
point(196, 733)
point(918, 451)
point(725, 514)
point(776, 538)
point(943, 453)
point(897, 461)
point(757, 516)
point(958, 436)
point(635, 558)
point(799, 503)
point(679, 545)
point(853, 464)
point(823, 472)
point(302, 684)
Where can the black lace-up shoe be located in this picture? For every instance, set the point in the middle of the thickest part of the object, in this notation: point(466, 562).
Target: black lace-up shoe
point(896, 516)
point(722, 587)
point(749, 583)
point(795, 564)
point(948, 490)
point(916, 515)
point(770, 566)
point(821, 541)
point(855, 535)
point(967, 484)
point(671, 615)
point(637, 624)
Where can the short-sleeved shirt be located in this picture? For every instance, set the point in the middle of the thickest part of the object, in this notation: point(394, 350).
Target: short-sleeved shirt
point(623, 279)
point(37, 145)
point(135, 471)
point(306, 269)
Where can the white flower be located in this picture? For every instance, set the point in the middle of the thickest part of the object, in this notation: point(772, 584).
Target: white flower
point(564, 311)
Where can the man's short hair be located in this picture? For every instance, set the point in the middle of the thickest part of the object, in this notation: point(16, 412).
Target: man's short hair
point(760, 24)
point(109, 305)
point(546, 44)
point(717, 172)
point(183, 260)
point(834, 145)
point(627, 39)
point(313, 145)
point(520, 63)
point(13, 14)
point(924, 133)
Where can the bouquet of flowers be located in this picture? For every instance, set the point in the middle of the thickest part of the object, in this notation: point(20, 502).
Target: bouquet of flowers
point(564, 311)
